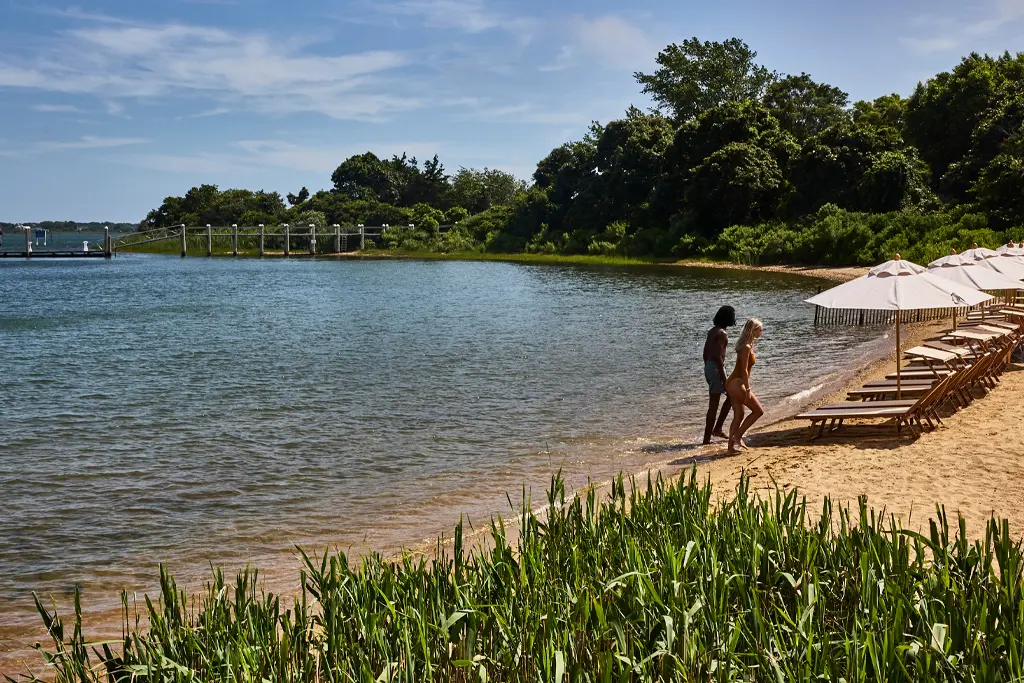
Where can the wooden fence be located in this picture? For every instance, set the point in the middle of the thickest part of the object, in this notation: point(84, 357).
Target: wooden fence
point(284, 240)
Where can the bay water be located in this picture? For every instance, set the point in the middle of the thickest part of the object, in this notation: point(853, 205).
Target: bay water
point(197, 411)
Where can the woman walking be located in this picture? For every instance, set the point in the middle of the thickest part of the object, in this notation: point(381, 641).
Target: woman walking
point(738, 386)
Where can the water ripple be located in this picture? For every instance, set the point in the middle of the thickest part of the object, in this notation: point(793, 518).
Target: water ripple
point(195, 411)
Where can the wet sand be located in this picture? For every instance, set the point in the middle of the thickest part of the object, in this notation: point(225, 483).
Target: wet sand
point(833, 273)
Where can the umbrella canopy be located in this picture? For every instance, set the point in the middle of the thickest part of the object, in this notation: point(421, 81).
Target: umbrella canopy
point(1010, 267)
point(899, 285)
point(977, 253)
point(1016, 254)
point(971, 274)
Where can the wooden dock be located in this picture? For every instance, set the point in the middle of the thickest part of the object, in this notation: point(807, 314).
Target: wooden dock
point(262, 240)
point(55, 253)
point(29, 253)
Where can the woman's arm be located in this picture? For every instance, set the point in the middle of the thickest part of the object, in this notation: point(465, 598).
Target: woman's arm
point(743, 363)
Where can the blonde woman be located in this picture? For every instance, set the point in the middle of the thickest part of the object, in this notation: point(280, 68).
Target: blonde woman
point(738, 386)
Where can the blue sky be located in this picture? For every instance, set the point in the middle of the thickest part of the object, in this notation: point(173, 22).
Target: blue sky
point(109, 106)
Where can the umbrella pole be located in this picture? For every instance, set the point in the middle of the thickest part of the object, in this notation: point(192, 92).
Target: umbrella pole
point(899, 380)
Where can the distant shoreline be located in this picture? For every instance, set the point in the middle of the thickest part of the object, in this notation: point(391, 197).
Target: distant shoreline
point(832, 273)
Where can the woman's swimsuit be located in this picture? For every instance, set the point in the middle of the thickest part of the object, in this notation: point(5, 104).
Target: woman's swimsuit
point(736, 373)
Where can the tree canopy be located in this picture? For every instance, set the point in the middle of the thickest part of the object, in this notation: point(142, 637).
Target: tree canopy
point(735, 161)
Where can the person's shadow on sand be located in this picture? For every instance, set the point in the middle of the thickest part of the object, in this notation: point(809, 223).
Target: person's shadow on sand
point(707, 454)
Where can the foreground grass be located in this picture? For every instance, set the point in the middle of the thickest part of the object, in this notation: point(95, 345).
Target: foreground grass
point(657, 583)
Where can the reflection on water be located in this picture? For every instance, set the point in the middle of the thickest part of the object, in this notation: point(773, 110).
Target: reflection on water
point(195, 411)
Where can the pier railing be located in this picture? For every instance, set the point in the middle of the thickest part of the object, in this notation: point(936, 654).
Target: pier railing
point(278, 240)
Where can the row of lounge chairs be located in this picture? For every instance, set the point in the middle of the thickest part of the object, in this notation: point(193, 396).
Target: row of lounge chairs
point(944, 373)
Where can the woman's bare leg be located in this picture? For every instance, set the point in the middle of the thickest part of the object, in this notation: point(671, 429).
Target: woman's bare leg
point(737, 420)
point(756, 411)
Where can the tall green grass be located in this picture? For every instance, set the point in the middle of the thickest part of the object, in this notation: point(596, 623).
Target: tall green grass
point(656, 583)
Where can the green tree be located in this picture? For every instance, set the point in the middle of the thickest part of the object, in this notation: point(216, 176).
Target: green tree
point(891, 182)
point(887, 111)
point(366, 177)
point(696, 76)
point(745, 123)
point(477, 190)
point(306, 218)
point(426, 186)
point(805, 107)
point(998, 190)
point(740, 183)
point(944, 114)
point(629, 157)
point(301, 197)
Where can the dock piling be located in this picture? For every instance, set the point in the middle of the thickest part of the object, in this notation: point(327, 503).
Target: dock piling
point(312, 240)
point(183, 247)
point(287, 239)
point(261, 240)
point(337, 238)
point(209, 240)
point(234, 239)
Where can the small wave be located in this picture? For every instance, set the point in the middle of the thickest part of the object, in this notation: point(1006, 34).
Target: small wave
point(806, 393)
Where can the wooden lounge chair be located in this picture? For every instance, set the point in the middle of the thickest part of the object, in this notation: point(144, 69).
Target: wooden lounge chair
point(912, 416)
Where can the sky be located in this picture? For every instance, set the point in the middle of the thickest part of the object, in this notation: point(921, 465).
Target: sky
point(108, 106)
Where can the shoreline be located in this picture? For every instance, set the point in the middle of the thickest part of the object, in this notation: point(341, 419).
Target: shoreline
point(902, 477)
point(818, 272)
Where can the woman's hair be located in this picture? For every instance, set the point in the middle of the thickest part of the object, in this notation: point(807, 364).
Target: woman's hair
point(747, 335)
point(725, 317)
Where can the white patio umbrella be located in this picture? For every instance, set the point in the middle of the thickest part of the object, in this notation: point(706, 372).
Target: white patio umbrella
point(899, 286)
point(988, 258)
point(970, 273)
point(1010, 249)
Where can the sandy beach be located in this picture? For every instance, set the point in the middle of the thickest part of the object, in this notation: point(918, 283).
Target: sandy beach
point(833, 273)
point(972, 465)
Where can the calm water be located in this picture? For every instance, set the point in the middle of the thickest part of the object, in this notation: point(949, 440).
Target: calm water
point(194, 411)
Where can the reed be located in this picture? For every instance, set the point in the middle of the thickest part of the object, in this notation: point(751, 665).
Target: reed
point(658, 582)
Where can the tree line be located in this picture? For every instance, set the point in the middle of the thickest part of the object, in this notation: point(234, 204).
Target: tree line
point(734, 161)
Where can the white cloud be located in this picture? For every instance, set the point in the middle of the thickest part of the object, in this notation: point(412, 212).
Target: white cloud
point(1006, 12)
point(245, 156)
point(954, 33)
point(119, 61)
point(471, 16)
point(85, 142)
point(57, 108)
point(615, 41)
point(206, 113)
point(90, 142)
point(930, 45)
point(610, 39)
point(466, 16)
point(477, 110)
